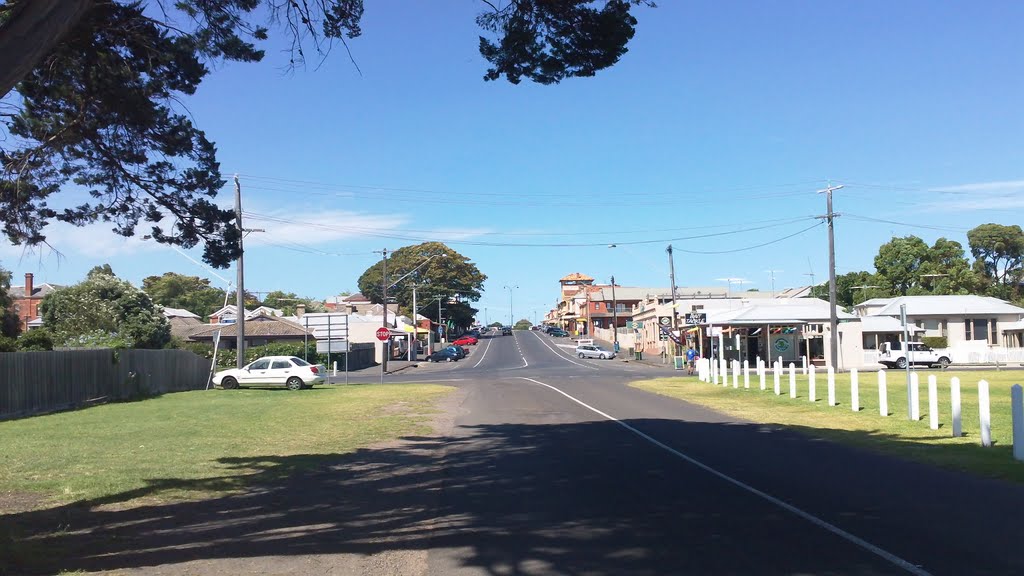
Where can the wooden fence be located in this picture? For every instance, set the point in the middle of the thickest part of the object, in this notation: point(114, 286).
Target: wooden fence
point(39, 382)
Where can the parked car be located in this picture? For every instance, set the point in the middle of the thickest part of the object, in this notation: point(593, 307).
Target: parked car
point(558, 333)
point(444, 355)
point(295, 373)
point(465, 341)
point(459, 350)
point(894, 355)
point(594, 351)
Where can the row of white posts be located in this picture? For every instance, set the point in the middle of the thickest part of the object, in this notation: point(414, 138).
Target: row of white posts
point(713, 372)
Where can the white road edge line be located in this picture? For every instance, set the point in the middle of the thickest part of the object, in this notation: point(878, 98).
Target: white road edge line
point(560, 356)
point(486, 348)
point(894, 559)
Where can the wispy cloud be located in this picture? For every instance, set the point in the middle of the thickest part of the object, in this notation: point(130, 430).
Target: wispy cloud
point(979, 196)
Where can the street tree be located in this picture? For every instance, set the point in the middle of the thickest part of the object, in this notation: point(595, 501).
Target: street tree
point(288, 301)
point(898, 264)
point(91, 94)
point(999, 256)
point(437, 271)
point(104, 311)
point(946, 270)
point(104, 269)
point(192, 293)
point(10, 325)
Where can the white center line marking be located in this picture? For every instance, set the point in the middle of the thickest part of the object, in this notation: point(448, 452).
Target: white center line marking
point(894, 559)
point(521, 355)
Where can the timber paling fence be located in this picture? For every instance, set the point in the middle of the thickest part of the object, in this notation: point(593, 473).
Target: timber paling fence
point(39, 382)
point(712, 372)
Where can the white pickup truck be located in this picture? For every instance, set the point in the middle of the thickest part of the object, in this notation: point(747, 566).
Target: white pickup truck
point(894, 355)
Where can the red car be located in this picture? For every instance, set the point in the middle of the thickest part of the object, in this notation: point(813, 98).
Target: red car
point(465, 341)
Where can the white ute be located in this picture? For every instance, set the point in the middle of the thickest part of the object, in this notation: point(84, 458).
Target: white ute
point(893, 355)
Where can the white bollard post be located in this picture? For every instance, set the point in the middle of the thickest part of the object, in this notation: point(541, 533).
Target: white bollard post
point(714, 371)
point(854, 390)
point(725, 373)
point(762, 370)
point(933, 403)
point(831, 386)
point(781, 363)
point(803, 363)
point(883, 394)
point(1017, 409)
point(915, 397)
point(792, 380)
point(746, 374)
point(812, 393)
point(777, 374)
point(984, 413)
point(735, 373)
point(954, 385)
point(335, 368)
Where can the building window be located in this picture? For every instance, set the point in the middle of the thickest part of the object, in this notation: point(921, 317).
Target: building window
point(980, 329)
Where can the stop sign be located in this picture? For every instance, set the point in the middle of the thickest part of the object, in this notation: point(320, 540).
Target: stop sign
point(383, 333)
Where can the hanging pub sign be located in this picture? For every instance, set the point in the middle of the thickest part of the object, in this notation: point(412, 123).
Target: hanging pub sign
point(695, 318)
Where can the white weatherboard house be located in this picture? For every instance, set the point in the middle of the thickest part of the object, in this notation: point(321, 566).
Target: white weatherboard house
point(978, 329)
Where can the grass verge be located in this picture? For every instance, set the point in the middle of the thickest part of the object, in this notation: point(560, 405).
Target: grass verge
point(894, 434)
point(155, 448)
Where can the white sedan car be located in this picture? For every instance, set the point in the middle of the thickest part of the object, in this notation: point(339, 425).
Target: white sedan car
point(295, 373)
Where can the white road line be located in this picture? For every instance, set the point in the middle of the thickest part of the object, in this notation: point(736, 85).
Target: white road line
point(894, 559)
point(521, 355)
point(486, 348)
point(563, 357)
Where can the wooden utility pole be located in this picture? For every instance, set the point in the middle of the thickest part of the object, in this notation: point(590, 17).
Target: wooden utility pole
point(833, 318)
point(240, 280)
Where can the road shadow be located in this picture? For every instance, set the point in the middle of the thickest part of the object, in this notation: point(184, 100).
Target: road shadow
point(582, 498)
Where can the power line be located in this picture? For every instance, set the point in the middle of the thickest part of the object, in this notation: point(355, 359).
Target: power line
point(533, 245)
point(907, 224)
point(347, 188)
point(770, 242)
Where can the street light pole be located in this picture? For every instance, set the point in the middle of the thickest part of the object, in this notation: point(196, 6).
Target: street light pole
point(511, 322)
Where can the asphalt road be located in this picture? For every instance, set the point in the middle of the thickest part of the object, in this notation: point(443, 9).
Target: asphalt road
point(555, 465)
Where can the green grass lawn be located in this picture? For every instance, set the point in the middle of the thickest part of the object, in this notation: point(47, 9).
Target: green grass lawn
point(191, 443)
point(893, 434)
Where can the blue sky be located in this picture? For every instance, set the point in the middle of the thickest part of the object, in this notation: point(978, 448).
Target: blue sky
point(722, 117)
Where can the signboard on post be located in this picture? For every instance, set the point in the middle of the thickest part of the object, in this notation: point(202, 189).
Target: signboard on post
point(383, 334)
point(695, 318)
point(330, 330)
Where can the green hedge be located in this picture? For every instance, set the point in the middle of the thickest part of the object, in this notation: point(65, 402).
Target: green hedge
point(935, 341)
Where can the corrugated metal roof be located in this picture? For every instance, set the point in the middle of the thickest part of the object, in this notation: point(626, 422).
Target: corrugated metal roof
point(948, 305)
point(884, 324)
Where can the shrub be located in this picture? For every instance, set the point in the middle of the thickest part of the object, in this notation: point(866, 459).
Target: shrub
point(38, 339)
point(8, 344)
point(935, 341)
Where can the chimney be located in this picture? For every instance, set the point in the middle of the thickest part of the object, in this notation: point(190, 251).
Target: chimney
point(300, 310)
point(28, 285)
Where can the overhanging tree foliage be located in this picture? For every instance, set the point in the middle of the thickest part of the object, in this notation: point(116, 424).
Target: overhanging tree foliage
point(90, 95)
point(452, 278)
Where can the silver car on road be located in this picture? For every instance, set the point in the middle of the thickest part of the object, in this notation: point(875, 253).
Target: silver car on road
point(594, 351)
